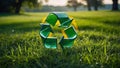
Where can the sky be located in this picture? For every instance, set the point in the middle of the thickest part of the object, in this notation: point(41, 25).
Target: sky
point(63, 2)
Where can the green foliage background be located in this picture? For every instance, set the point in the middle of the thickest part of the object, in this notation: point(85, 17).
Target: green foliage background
point(14, 6)
point(97, 44)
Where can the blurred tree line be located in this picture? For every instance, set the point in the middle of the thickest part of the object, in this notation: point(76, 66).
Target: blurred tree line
point(91, 3)
point(14, 6)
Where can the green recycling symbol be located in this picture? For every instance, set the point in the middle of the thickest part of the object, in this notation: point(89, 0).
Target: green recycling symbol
point(61, 20)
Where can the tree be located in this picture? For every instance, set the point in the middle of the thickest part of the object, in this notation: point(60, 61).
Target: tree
point(93, 3)
point(115, 5)
point(6, 5)
point(89, 4)
point(74, 4)
point(15, 5)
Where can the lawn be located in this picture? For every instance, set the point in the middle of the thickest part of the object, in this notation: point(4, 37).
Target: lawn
point(97, 44)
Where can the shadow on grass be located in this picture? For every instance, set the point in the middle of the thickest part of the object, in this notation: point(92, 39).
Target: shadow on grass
point(99, 29)
point(19, 27)
point(12, 14)
point(110, 22)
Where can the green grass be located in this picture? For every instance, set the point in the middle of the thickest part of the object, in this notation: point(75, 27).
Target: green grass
point(97, 44)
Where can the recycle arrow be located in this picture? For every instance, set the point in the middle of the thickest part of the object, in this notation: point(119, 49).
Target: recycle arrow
point(62, 20)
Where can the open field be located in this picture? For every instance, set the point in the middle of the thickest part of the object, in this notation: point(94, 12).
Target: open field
point(97, 44)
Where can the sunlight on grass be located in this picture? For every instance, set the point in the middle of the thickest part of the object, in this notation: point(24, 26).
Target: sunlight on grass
point(97, 44)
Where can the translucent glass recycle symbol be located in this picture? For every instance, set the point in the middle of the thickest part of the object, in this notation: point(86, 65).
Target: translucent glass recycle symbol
point(61, 20)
